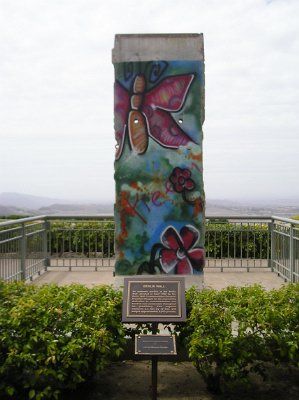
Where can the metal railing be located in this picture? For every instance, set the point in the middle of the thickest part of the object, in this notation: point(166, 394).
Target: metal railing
point(30, 246)
point(285, 248)
point(238, 242)
point(23, 248)
point(81, 241)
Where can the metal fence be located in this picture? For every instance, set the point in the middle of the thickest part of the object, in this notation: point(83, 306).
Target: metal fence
point(81, 241)
point(285, 248)
point(238, 242)
point(23, 248)
point(30, 246)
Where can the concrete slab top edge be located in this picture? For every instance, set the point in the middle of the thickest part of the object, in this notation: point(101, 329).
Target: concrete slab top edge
point(155, 35)
point(152, 47)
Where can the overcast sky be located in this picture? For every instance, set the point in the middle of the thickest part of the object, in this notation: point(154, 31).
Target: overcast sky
point(56, 93)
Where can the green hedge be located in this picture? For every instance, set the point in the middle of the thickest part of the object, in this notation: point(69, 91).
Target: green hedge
point(234, 331)
point(222, 239)
point(82, 237)
point(225, 240)
point(52, 338)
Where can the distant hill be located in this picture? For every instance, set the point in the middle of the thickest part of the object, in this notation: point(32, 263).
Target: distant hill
point(230, 208)
point(77, 209)
point(25, 204)
point(4, 210)
point(25, 200)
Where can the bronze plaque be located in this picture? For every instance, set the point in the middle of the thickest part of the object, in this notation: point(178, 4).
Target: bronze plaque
point(155, 345)
point(154, 299)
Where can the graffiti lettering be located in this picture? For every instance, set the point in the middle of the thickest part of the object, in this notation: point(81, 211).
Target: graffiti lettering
point(168, 187)
point(155, 199)
point(131, 209)
point(193, 165)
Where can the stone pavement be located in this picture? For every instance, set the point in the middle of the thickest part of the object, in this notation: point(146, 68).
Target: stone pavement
point(212, 278)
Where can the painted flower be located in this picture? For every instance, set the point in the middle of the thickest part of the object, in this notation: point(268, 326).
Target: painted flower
point(181, 180)
point(178, 255)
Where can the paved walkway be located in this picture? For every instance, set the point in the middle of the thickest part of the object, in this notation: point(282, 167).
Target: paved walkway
point(212, 278)
point(131, 380)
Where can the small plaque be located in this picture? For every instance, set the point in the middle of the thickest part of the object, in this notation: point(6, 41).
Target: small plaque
point(154, 299)
point(155, 345)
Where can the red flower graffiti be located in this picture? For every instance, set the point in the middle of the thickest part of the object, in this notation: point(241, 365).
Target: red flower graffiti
point(181, 180)
point(179, 256)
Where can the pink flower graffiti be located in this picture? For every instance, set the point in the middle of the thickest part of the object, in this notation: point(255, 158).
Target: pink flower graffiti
point(179, 254)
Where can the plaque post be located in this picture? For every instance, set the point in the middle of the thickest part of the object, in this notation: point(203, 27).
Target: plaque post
point(154, 367)
point(154, 299)
point(154, 377)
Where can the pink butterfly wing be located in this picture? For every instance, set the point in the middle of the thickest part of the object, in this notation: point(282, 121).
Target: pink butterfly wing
point(168, 96)
point(164, 129)
point(121, 109)
point(170, 93)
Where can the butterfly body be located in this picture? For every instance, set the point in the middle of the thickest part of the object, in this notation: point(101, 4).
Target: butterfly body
point(138, 133)
point(145, 114)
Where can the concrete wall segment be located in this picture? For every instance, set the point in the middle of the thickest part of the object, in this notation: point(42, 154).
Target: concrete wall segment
point(159, 111)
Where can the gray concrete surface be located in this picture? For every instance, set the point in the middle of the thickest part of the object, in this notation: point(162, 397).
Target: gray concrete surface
point(165, 46)
point(212, 278)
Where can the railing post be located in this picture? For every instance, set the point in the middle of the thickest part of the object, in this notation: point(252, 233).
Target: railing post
point(271, 259)
point(292, 258)
point(45, 244)
point(23, 252)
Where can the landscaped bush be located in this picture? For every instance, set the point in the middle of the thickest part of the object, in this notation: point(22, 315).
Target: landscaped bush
point(52, 338)
point(234, 331)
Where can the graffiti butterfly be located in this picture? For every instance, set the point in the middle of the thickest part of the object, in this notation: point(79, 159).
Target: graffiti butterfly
point(144, 113)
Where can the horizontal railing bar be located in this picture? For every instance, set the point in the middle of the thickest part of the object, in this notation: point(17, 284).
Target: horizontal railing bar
point(10, 239)
point(80, 217)
point(288, 220)
point(280, 264)
point(21, 221)
point(70, 229)
point(281, 233)
point(238, 228)
point(35, 224)
point(17, 228)
point(240, 217)
point(35, 232)
point(103, 216)
point(283, 269)
point(13, 275)
point(40, 260)
point(111, 216)
point(252, 267)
